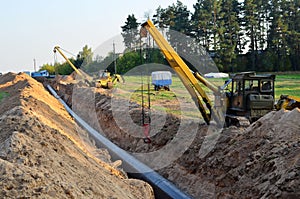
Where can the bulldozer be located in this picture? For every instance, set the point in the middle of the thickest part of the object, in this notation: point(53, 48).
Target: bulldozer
point(249, 97)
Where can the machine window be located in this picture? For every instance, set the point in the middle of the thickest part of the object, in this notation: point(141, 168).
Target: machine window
point(266, 86)
point(239, 86)
point(251, 85)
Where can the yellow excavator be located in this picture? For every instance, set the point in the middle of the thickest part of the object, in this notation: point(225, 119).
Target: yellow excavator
point(245, 96)
point(288, 102)
point(105, 80)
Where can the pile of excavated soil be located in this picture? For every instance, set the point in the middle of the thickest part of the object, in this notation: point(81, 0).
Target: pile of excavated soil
point(261, 161)
point(44, 154)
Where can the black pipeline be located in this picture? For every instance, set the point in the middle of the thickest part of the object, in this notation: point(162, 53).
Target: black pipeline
point(162, 187)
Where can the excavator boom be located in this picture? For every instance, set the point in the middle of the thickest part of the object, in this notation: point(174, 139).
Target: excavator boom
point(57, 48)
point(188, 78)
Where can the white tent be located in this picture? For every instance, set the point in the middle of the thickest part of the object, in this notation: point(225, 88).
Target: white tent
point(216, 75)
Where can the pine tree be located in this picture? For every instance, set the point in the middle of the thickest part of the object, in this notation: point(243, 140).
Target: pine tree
point(292, 18)
point(130, 32)
point(278, 34)
point(228, 33)
point(159, 18)
point(251, 28)
point(202, 24)
point(178, 22)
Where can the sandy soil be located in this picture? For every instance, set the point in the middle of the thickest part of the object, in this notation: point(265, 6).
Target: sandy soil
point(261, 161)
point(44, 154)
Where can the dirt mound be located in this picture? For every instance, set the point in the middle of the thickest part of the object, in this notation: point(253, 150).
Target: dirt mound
point(44, 154)
point(259, 162)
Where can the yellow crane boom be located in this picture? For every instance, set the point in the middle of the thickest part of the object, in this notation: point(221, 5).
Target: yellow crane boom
point(57, 48)
point(189, 78)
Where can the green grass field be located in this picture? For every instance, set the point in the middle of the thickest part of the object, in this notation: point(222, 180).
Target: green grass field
point(3, 95)
point(285, 84)
point(288, 84)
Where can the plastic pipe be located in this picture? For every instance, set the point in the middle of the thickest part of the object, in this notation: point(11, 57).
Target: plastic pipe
point(162, 187)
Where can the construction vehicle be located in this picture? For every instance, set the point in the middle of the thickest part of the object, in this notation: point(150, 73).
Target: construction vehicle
point(245, 96)
point(82, 76)
point(43, 73)
point(249, 97)
point(106, 80)
point(161, 80)
point(57, 48)
point(288, 102)
point(189, 78)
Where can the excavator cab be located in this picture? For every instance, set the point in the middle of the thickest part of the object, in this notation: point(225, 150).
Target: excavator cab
point(106, 80)
point(250, 95)
point(104, 74)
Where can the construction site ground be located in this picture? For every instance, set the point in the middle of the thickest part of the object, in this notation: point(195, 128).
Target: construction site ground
point(45, 154)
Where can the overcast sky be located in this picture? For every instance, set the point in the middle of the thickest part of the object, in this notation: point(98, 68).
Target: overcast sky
point(30, 29)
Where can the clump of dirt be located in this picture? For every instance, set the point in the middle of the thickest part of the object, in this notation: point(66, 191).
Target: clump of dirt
point(261, 161)
point(44, 154)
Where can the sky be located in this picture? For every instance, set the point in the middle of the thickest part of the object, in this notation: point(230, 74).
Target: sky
point(30, 29)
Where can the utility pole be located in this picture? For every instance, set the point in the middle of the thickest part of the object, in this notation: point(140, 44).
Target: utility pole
point(114, 57)
point(34, 65)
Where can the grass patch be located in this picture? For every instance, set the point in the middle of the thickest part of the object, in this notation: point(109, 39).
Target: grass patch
point(3, 95)
point(287, 84)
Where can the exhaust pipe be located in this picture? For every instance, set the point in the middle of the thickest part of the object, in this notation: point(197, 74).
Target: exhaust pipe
point(161, 186)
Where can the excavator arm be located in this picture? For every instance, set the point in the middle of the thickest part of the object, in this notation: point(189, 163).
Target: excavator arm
point(189, 78)
point(57, 48)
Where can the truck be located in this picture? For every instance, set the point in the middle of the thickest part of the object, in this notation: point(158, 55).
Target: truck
point(42, 73)
point(245, 96)
point(161, 80)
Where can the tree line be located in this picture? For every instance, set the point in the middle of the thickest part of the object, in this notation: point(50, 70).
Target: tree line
point(258, 35)
point(254, 35)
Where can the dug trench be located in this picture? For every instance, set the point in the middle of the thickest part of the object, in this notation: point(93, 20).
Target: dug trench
point(261, 161)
